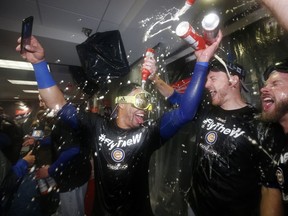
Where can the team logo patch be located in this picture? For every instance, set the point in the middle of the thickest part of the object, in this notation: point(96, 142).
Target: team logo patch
point(280, 176)
point(211, 137)
point(118, 155)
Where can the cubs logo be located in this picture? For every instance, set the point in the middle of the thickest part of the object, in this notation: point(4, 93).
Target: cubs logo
point(280, 176)
point(118, 155)
point(211, 137)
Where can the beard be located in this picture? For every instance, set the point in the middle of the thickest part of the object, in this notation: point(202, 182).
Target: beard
point(220, 98)
point(281, 108)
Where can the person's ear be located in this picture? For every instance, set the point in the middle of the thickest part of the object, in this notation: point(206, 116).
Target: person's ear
point(233, 80)
point(121, 105)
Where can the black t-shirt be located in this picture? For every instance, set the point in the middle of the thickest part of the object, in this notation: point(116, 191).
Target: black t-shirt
point(121, 163)
point(277, 174)
point(228, 160)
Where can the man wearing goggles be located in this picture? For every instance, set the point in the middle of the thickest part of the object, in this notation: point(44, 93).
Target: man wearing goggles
point(122, 146)
point(274, 98)
point(140, 100)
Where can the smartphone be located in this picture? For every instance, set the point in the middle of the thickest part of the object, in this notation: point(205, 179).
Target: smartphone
point(26, 32)
point(37, 134)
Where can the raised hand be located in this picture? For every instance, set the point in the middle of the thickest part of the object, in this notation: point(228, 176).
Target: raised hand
point(30, 158)
point(204, 55)
point(33, 53)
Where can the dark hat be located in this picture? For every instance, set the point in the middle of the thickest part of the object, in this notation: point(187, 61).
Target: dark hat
point(281, 66)
point(233, 69)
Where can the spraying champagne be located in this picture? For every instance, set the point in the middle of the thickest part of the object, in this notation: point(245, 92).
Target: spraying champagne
point(145, 72)
point(185, 8)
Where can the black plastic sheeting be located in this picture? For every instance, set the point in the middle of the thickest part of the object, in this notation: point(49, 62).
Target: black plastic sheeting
point(103, 55)
point(87, 85)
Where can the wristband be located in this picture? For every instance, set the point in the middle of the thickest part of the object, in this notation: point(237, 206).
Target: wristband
point(205, 64)
point(43, 75)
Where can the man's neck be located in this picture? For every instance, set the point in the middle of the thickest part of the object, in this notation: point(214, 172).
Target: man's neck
point(233, 104)
point(284, 123)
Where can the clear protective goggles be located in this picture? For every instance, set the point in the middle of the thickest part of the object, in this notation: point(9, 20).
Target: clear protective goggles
point(140, 100)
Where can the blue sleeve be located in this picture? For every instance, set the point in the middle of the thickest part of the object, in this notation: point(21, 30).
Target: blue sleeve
point(62, 159)
point(172, 121)
point(175, 98)
point(68, 114)
point(20, 168)
point(45, 141)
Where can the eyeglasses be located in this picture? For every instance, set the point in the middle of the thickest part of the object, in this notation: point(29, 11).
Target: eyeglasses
point(139, 101)
point(281, 66)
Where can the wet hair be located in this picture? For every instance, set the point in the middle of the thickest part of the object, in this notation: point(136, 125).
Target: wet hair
point(233, 68)
point(280, 66)
point(127, 88)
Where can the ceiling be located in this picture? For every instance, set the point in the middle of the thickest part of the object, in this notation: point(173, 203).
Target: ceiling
point(59, 27)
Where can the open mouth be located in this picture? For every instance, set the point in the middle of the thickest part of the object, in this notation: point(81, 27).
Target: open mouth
point(139, 118)
point(212, 93)
point(267, 103)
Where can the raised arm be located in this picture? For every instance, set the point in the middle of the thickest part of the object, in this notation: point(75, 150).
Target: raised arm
point(279, 10)
point(50, 93)
point(165, 89)
point(172, 121)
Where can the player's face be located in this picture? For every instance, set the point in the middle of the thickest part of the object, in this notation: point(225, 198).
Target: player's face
point(42, 104)
point(134, 117)
point(217, 85)
point(274, 97)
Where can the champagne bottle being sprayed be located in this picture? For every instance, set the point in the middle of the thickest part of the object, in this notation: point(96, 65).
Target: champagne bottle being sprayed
point(187, 5)
point(145, 72)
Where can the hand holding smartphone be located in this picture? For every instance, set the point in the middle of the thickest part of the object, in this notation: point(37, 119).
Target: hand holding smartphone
point(26, 32)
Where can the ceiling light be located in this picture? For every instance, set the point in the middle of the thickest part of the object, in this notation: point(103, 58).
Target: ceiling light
point(19, 65)
point(31, 91)
point(23, 82)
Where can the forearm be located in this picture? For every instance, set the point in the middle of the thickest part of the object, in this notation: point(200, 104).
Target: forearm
point(49, 91)
point(271, 202)
point(20, 168)
point(279, 9)
point(164, 89)
point(64, 157)
point(171, 122)
point(193, 94)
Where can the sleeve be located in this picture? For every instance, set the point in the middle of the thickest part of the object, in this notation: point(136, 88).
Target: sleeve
point(20, 168)
point(68, 114)
point(62, 159)
point(45, 141)
point(175, 98)
point(271, 145)
point(172, 121)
